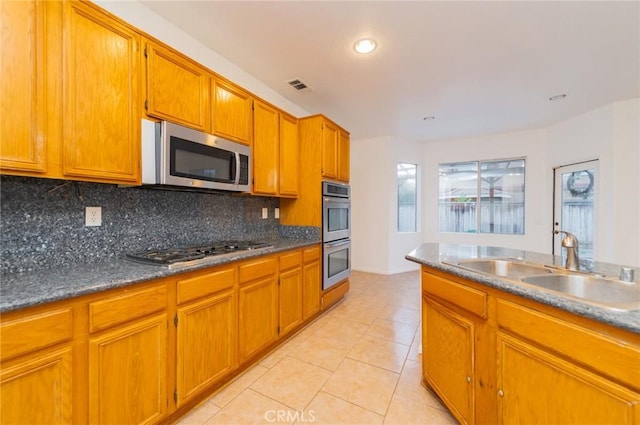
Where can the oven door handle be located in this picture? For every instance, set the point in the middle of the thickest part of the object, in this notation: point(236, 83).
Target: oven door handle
point(338, 243)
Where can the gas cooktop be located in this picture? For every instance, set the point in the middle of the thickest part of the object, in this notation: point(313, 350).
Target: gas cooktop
point(189, 256)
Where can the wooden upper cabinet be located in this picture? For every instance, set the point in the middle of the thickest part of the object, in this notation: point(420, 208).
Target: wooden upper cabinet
point(22, 87)
point(266, 149)
point(289, 156)
point(177, 88)
point(101, 74)
point(344, 156)
point(329, 150)
point(231, 111)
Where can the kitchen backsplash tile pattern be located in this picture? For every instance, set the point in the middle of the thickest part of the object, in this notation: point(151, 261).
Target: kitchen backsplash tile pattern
point(42, 221)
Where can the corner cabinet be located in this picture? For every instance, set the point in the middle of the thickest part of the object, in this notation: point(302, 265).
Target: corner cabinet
point(494, 357)
point(101, 78)
point(177, 88)
point(324, 153)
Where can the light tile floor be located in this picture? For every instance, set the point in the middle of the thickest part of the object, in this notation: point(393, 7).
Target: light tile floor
point(357, 364)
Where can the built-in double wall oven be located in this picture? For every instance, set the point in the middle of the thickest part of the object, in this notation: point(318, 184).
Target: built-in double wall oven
point(336, 233)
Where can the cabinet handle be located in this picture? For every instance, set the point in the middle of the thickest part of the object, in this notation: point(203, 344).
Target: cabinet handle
point(468, 378)
point(501, 393)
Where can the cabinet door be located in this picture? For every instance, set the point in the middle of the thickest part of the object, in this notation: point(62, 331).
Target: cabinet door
point(289, 156)
point(448, 349)
point(536, 387)
point(100, 97)
point(266, 148)
point(177, 88)
point(258, 318)
point(232, 117)
point(128, 375)
point(329, 150)
point(207, 343)
point(311, 289)
point(290, 299)
point(344, 151)
point(22, 86)
point(38, 390)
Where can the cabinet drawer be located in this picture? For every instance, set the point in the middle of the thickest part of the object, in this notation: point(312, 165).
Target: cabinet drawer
point(206, 284)
point(288, 261)
point(30, 333)
point(467, 298)
point(257, 269)
point(311, 254)
point(122, 308)
point(605, 354)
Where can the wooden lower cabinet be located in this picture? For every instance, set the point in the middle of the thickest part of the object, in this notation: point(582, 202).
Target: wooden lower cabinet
point(448, 357)
point(128, 373)
point(311, 282)
point(494, 357)
point(147, 353)
point(538, 387)
point(207, 343)
point(38, 389)
point(258, 306)
point(290, 292)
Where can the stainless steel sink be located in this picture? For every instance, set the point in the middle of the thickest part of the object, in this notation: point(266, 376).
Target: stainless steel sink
point(505, 268)
point(602, 292)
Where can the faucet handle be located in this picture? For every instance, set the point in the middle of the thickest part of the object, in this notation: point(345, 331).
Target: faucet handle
point(626, 274)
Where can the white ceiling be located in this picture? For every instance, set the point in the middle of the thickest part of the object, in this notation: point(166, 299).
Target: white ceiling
point(478, 67)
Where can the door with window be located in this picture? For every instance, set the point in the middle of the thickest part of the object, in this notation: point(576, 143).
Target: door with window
point(574, 205)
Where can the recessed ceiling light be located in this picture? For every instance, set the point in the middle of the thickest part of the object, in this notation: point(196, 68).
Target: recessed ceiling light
point(429, 118)
point(364, 46)
point(558, 97)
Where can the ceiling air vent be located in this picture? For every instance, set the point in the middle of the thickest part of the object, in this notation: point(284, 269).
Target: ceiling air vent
point(297, 84)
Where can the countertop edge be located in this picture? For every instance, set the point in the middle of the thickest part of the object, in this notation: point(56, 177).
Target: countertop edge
point(24, 290)
point(627, 320)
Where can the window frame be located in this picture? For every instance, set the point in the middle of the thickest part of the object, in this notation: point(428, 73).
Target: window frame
point(478, 202)
point(415, 203)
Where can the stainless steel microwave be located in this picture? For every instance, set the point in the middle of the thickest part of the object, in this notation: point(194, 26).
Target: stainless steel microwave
point(174, 155)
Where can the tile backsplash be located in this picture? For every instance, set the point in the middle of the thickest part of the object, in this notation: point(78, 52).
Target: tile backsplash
point(42, 221)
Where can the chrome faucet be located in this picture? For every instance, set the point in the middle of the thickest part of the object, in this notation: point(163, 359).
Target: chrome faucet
point(570, 243)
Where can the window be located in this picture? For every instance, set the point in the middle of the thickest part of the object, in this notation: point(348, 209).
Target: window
point(407, 197)
point(498, 209)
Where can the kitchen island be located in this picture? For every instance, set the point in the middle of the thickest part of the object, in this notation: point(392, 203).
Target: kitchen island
point(497, 350)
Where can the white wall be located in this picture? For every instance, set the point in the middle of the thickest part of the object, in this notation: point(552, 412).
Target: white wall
point(610, 134)
point(376, 244)
point(140, 16)
point(538, 183)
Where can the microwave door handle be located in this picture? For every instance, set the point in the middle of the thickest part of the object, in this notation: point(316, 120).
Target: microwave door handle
point(235, 168)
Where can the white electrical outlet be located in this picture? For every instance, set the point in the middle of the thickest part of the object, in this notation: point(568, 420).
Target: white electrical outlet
point(93, 216)
point(265, 213)
point(276, 213)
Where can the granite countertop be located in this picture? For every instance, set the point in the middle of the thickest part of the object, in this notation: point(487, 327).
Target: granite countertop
point(22, 290)
point(437, 255)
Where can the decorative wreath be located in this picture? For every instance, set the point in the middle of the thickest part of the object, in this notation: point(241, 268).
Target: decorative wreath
point(584, 192)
